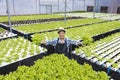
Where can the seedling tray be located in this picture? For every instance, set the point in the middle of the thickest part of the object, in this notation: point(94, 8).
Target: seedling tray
point(6, 34)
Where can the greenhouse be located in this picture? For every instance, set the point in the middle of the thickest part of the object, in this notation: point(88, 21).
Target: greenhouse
point(59, 39)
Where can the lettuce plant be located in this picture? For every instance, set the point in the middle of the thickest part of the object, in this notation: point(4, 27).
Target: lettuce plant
point(87, 40)
point(37, 38)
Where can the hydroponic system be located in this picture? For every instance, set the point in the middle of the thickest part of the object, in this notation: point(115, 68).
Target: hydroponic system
point(92, 23)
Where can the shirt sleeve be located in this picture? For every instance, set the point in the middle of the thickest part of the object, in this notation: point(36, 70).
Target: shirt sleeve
point(51, 42)
point(74, 42)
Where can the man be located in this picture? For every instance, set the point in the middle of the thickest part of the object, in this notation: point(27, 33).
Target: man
point(61, 44)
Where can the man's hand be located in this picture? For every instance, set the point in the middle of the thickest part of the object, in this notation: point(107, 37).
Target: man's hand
point(79, 43)
point(43, 42)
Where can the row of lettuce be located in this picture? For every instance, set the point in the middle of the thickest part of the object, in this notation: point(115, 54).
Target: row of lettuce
point(79, 32)
point(31, 28)
point(55, 67)
point(29, 17)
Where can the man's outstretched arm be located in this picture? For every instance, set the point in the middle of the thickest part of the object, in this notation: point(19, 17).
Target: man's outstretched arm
point(46, 43)
point(75, 43)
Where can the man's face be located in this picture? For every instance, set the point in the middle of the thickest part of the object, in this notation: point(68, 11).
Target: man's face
point(61, 35)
